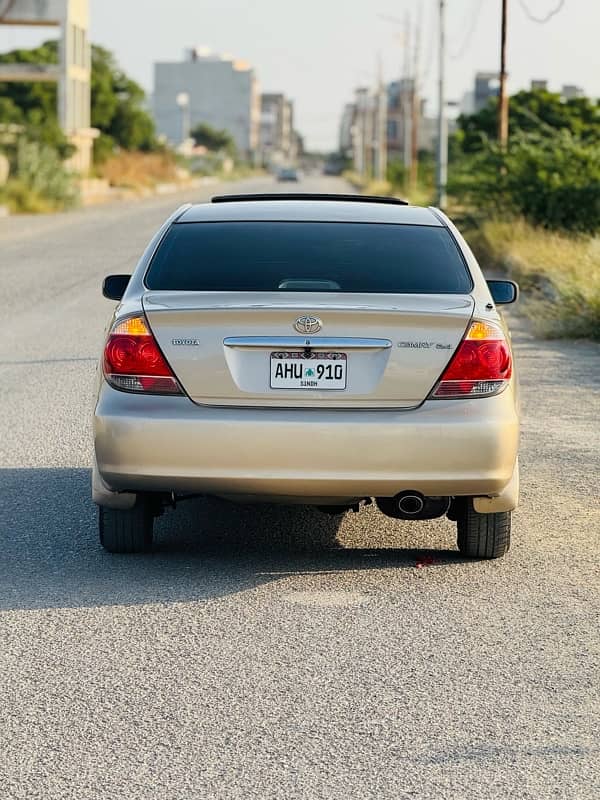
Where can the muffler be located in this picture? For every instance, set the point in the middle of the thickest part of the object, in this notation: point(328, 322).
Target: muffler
point(413, 505)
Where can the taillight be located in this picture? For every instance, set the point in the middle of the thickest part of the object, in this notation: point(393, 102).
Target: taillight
point(133, 361)
point(481, 366)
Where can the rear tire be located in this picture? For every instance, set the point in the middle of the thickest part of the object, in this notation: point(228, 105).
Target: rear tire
point(482, 535)
point(126, 531)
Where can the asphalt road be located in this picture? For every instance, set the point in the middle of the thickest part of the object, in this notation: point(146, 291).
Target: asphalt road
point(273, 652)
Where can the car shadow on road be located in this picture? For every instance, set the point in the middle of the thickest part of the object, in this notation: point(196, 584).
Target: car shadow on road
point(208, 548)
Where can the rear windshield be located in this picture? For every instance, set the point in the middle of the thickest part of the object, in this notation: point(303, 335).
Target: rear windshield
point(308, 257)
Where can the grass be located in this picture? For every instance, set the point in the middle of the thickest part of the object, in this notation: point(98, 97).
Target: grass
point(22, 199)
point(558, 272)
point(241, 171)
point(421, 195)
point(135, 170)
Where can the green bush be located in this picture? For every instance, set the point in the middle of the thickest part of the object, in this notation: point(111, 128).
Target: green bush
point(552, 182)
point(535, 111)
point(396, 173)
point(213, 139)
point(38, 181)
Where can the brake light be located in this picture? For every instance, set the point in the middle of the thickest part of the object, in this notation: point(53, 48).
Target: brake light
point(481, 366)
point(133, 361)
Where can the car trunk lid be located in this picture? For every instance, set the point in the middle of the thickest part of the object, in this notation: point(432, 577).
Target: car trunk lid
point(224, 346)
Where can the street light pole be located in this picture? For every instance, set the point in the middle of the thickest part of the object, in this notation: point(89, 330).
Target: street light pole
point(442, 138)
point(183, 101)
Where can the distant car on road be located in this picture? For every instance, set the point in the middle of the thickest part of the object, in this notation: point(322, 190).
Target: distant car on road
point(287, 174)
point(313, 349)
point(333, 168)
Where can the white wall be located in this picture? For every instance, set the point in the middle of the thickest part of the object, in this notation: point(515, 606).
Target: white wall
point(220, 95)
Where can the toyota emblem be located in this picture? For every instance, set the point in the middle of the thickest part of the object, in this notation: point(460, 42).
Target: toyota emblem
point(308, 325)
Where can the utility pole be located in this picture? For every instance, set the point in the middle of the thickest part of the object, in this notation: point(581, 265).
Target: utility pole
point(381, 124)
point(362, 112)
point(415, 109)
point(503, 95)
point(406, 97)
point(442, 142)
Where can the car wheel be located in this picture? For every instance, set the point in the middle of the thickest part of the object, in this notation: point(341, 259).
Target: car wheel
point(482, 535)
point(126, 531)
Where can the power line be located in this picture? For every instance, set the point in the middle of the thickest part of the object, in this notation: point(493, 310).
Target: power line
point(467, 40)
point(541, 20)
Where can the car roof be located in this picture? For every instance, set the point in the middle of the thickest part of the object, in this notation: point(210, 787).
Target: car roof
point(309, 211)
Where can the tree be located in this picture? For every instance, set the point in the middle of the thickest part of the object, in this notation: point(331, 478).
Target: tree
point(33, 105)
point(553, 182)
point(537, 111)
point(118, 104)
point(118, 107)
point(213, 139)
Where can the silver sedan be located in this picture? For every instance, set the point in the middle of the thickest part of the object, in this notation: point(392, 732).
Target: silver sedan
point(310, 349)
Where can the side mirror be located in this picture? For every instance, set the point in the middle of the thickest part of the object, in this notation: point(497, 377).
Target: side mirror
point(113, 286)
point(503, 291)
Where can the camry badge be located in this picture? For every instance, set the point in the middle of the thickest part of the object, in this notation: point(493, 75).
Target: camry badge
point(308, 325)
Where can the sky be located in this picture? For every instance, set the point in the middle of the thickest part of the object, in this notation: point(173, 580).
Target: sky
point(318, 51)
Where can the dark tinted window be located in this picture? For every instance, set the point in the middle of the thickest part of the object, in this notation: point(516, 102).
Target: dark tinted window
point(308, 256)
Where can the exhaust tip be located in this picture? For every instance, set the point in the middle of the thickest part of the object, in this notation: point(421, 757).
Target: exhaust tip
point(411, 504)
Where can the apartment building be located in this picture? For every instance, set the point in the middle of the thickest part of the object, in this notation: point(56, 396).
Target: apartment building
point(217, 90)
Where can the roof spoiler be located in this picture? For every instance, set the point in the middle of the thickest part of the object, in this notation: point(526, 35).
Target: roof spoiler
point(346, 198)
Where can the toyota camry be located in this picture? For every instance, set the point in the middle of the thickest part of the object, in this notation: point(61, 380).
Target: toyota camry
point(328, 350)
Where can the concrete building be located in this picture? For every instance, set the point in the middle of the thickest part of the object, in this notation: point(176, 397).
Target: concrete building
point(399, 116)
point(369, 132)
point(571, 92)
point(73, 73)
point(345, 130)
point(466, 105)
point(299, 144)
point(278, 143)
point(568, 91)
point(376, 128)
point(400, 119)
point(487, 85)
point(217, 90)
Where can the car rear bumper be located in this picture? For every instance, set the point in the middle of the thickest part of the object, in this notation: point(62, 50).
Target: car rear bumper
point(445, 447)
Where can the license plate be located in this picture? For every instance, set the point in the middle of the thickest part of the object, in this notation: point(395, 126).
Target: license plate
point(313, 371)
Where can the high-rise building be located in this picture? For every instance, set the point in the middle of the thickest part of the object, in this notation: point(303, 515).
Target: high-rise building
point(217, 90)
